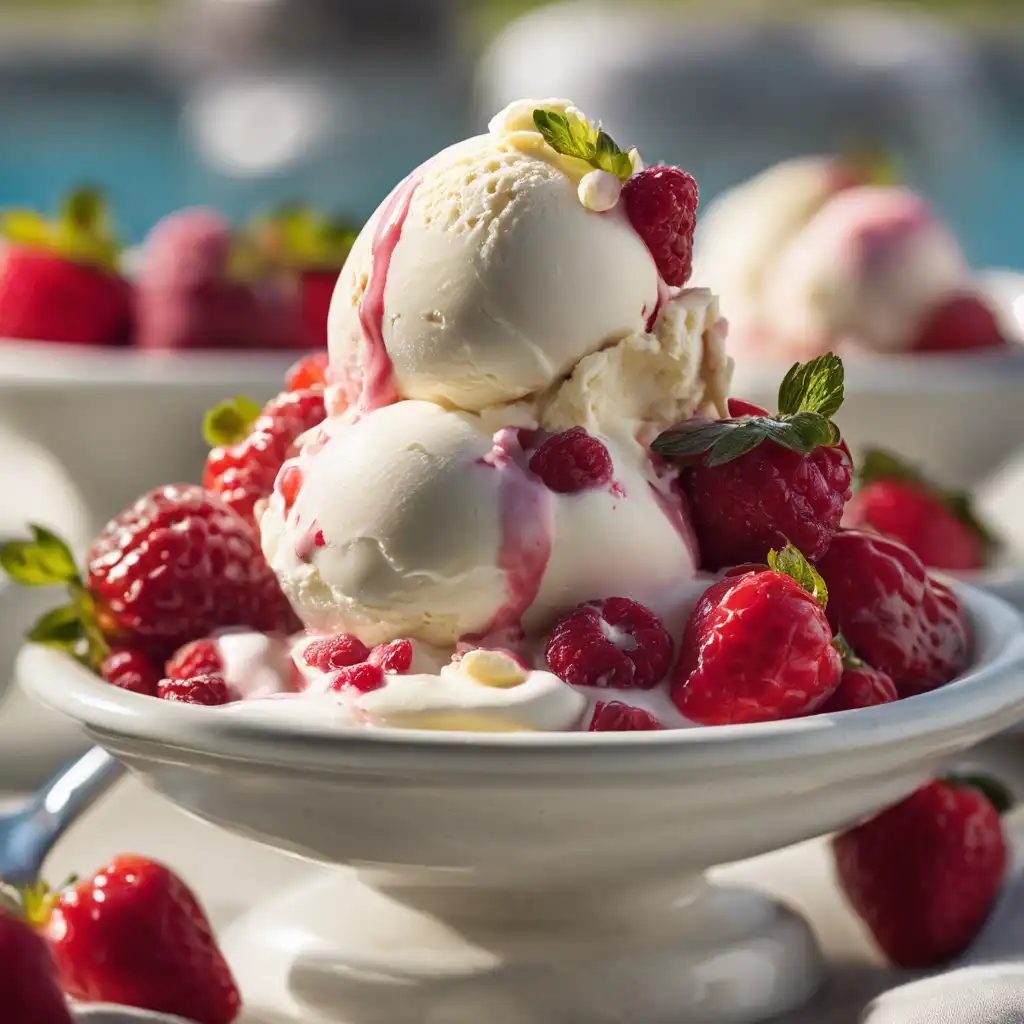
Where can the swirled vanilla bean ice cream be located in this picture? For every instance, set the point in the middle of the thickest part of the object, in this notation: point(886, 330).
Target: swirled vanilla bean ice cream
point(510, 332)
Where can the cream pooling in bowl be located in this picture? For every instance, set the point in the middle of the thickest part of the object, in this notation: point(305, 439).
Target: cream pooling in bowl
point(500, 296)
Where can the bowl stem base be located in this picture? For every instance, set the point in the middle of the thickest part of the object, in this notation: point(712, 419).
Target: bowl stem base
point(344, 950)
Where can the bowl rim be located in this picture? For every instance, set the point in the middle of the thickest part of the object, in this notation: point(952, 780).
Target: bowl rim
point(926, 373)
point(25, 365)
point(973, 706)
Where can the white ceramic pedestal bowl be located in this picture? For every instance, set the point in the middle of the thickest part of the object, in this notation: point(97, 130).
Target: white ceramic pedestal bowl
point(534, 878)
point(122, 421)
point(961, 417)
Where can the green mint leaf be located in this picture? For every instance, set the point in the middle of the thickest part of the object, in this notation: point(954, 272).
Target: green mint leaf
point(694, 437)
point(565, 136)
point(745, 436)
point(610, 158)
point(230, 421)
point(44, 561)
point(790, 562)
point(960, 504)
point(998, 794)
point(816, 386)
point(804, 431)
point(846, 652)
point(59, 627)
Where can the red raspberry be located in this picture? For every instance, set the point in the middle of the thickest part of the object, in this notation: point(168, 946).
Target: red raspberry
point(892, 613)
point(308, 373)
point(757, 648)
point(572, 461)
point(198, 658)
point(131, 670)
point(862, 687)
point(179, 565)
point(615, 716)
point(661, 203)
point(393, 657)
point(364, 678)
point(615, 642)
point(962, 322)
point(910, 514)
point(335, 652)
point(210, 690)
point(759, 501)
point(245, 472)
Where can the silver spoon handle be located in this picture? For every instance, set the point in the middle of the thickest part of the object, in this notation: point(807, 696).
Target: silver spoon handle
point(77, 787)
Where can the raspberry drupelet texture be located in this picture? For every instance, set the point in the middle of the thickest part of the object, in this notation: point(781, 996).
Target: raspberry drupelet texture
point(335, 652)
point(179, 565)
point(244, 473)
point(614, 643)
point(131, 670)
point(363, 678)
point(661, 203)
point(210, 690)
point(615, 716)
point(198, 658)
point(572, 461)
point(766, 498)
point(393, 657)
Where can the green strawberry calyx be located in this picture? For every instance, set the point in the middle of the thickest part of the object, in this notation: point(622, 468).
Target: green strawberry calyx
point(877, 464)
point(569, 133)
point(809, 396)
point(998, 794)
point(297, 237)
point(230, 421)
point(47, 561)
point(81, 233)
point(789, 561)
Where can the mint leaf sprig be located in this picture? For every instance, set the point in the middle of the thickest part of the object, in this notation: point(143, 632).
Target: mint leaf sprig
point(877, 464)
point(47, 561)
point(230, 421)
point(571, 134)
point(810, 395)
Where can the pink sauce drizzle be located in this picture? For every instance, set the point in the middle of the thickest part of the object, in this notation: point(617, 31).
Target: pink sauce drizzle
point(664, 294)
point(527, 532)
point(379, 387)
point(675, 508)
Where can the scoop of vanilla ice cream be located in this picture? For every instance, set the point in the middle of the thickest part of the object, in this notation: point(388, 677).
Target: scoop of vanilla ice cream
point(865, 268)
point(433, 529)
point(484, 277)
point(649, 381)
point(740, 234)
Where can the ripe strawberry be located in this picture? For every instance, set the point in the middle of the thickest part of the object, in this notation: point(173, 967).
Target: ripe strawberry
point(310, 372)
point(894, 616)
point(252, 445)
point(178, 565)
point(939, 526)
point(59, 281)
point(960, 323)
point(861, 687)
point(924, 874)
point(202, 288)
point(313, 248)
point(131, 670)
point(661, 203)
point(209, 689)
point(615, 643)
point(615, 716)
point(755, 483)
point(572, 461)
point(134, 934)
point(758, 647)
point(29, 989)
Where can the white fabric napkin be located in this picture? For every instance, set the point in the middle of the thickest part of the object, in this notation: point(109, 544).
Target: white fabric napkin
point(986, 986)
